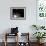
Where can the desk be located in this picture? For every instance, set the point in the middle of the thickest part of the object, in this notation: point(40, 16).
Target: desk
point(18, 43)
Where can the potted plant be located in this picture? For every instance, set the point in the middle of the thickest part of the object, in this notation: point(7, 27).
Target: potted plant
point(39, 35)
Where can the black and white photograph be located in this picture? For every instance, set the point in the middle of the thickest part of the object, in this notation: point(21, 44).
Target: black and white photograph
point(17, 13)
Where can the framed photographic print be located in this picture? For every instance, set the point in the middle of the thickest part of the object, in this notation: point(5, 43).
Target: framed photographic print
point(17, 13)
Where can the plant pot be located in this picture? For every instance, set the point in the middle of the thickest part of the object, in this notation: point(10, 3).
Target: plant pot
point(40, 40)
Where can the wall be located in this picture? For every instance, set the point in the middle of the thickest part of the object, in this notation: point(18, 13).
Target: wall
point(24, 25)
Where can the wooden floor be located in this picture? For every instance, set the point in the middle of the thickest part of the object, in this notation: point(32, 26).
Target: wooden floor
point(13, 44)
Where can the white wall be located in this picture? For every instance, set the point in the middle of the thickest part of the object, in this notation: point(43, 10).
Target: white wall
point(24, 25)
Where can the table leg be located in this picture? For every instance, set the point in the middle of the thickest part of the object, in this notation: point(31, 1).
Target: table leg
point(5, 40)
